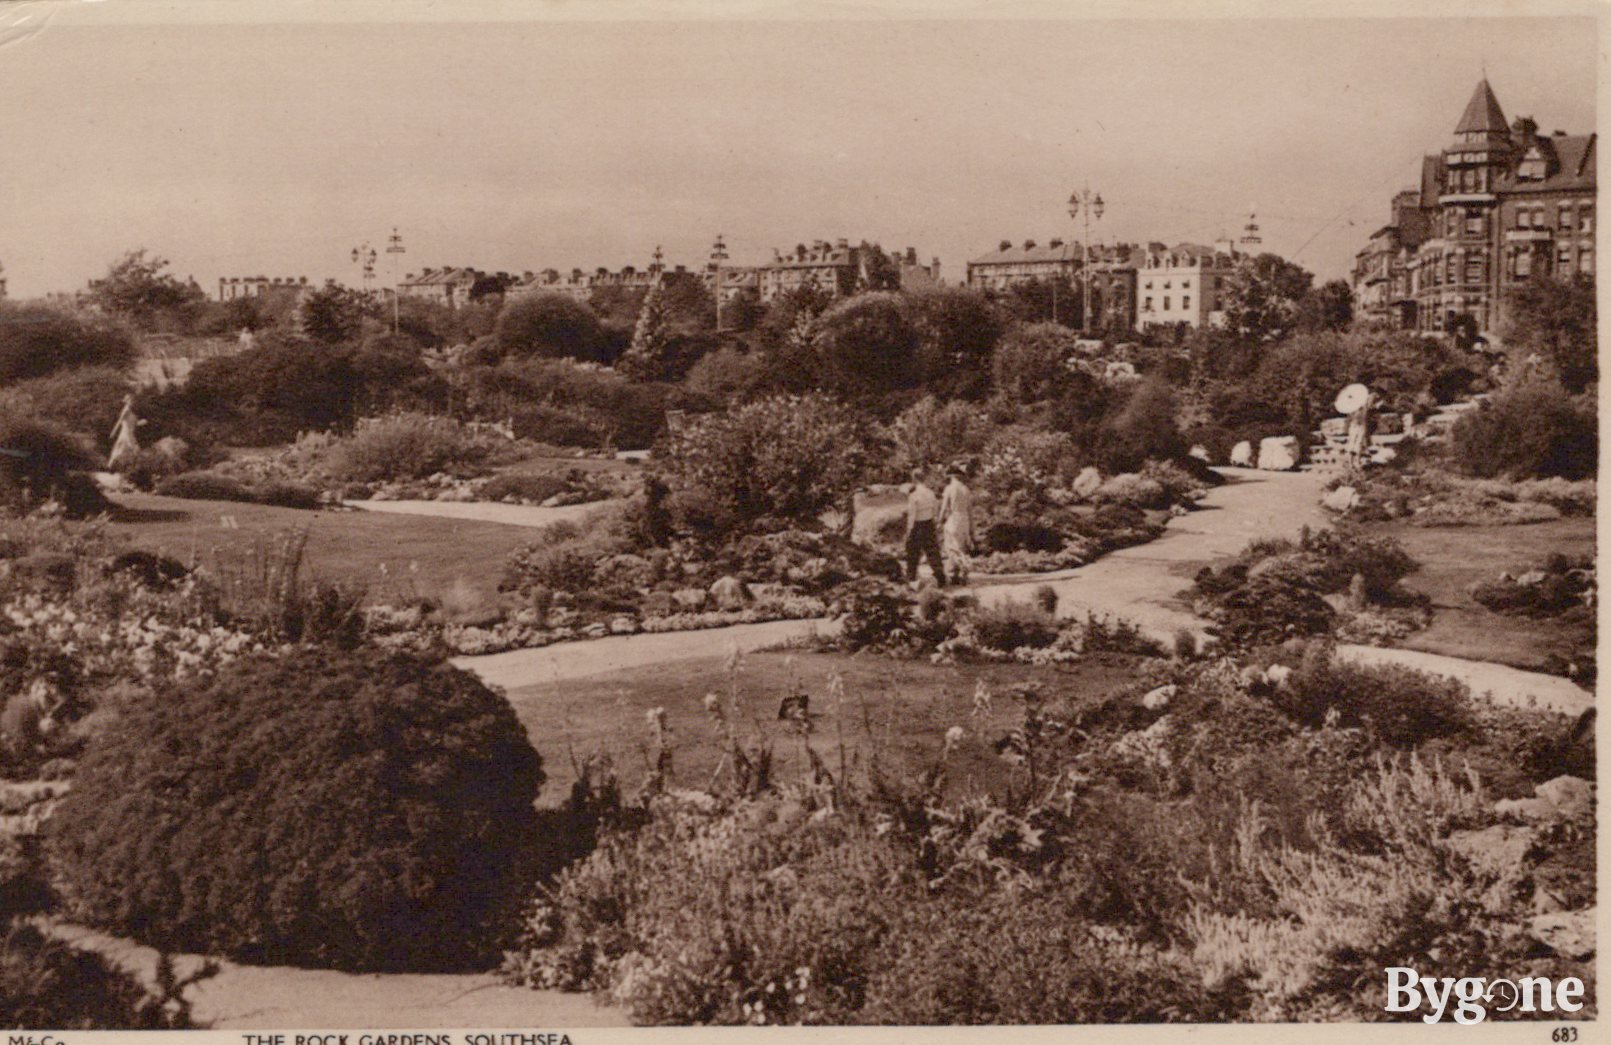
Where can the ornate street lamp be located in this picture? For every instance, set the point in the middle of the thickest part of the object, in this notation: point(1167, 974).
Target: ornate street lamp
point(1092, 206)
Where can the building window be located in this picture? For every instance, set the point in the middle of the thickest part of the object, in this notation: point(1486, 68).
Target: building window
point(1166, 304)
point(1185, 302)
point(1585, 259)
point(1185, 284)
point(1474, 223)
point(1523, 218)
point(1585, 220)
point(1565, 224)
point(1147, 306)
point(1473, 272)
point(1563, 258)
point(1524, 264)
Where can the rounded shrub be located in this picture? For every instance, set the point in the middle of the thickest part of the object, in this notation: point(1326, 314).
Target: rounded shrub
point(359, 810)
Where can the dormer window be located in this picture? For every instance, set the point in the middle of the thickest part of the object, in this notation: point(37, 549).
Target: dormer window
point(1533, 167)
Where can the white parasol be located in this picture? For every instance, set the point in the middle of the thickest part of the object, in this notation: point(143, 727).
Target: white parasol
point(1352, 398)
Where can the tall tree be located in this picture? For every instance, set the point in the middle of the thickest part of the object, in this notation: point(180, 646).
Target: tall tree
point(644, 360)
point(1556, 319)
point(137, 288)
point(957, 329)
point(1260, 297)
point(867, 346)
point(1329, 306)
point(332, 314)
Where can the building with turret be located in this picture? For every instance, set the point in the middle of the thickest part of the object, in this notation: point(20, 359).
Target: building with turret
point(1501, 205)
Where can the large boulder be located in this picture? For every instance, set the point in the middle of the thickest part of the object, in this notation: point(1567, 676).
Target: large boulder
point(1242, 454)
point(730, 593)
point(1569, 934)
point(1342, 499)
point(1278, 453)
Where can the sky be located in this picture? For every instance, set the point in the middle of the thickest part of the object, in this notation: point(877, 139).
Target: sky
point(272, 141)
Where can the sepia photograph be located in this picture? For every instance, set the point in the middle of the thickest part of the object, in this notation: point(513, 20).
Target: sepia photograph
point(521, 521)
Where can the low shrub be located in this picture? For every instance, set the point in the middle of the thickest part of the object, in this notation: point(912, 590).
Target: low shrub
point(532, 488)
point(283, 494)
point(204, 486)
point(357, 810)
point(49, 984)
point(1012, 625)
point(1012, 536)
point(1402, 706)
point(1557, 586)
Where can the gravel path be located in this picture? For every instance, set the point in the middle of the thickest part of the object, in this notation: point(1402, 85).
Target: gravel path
point(243, 997)
point(1140, 584)
point(485, 511)
point(574, 660)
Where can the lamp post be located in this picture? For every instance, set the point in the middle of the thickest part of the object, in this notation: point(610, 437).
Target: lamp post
point(718, 254)
point(1091, 204)
point(395, 248)
point(366, 256)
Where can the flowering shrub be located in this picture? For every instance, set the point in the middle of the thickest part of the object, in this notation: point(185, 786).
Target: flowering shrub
point(1199, 856)
point(786, 457)
point(407, 446)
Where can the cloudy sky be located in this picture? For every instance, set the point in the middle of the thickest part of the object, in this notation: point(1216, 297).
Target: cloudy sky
point(274, 138)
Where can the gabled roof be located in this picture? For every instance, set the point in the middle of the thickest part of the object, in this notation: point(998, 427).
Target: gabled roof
point(1483, 115)
point(1574, 168)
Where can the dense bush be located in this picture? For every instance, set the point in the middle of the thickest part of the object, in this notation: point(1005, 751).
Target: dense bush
point(1529, 429)
point(43, 461)
point(357, 810)
point(36, 340)
point(406, 446)
point(784, 457)
point(1142, 427)
point(548, 325)
point(85, 401)
point(559, 402)
point(928, 434)
point(263, 395)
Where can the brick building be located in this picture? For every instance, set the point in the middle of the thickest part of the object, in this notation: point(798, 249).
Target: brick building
point(1499, 206)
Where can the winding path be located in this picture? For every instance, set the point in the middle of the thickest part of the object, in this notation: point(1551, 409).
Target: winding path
point(1140, 584)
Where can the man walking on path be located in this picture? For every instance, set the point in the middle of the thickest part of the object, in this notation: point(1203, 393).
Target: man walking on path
point(922, 536)
point(956, 524)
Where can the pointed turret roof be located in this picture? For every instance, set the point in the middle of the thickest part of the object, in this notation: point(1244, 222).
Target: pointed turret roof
point(1482, 115)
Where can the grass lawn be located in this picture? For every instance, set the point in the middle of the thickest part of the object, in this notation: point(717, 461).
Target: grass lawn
point(899, 709)
point(422, 556)
point(1454, 558)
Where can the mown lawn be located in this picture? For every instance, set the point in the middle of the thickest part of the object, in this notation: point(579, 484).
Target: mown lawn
point(896, 710)
point(1454, 558)
point(420, 556)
